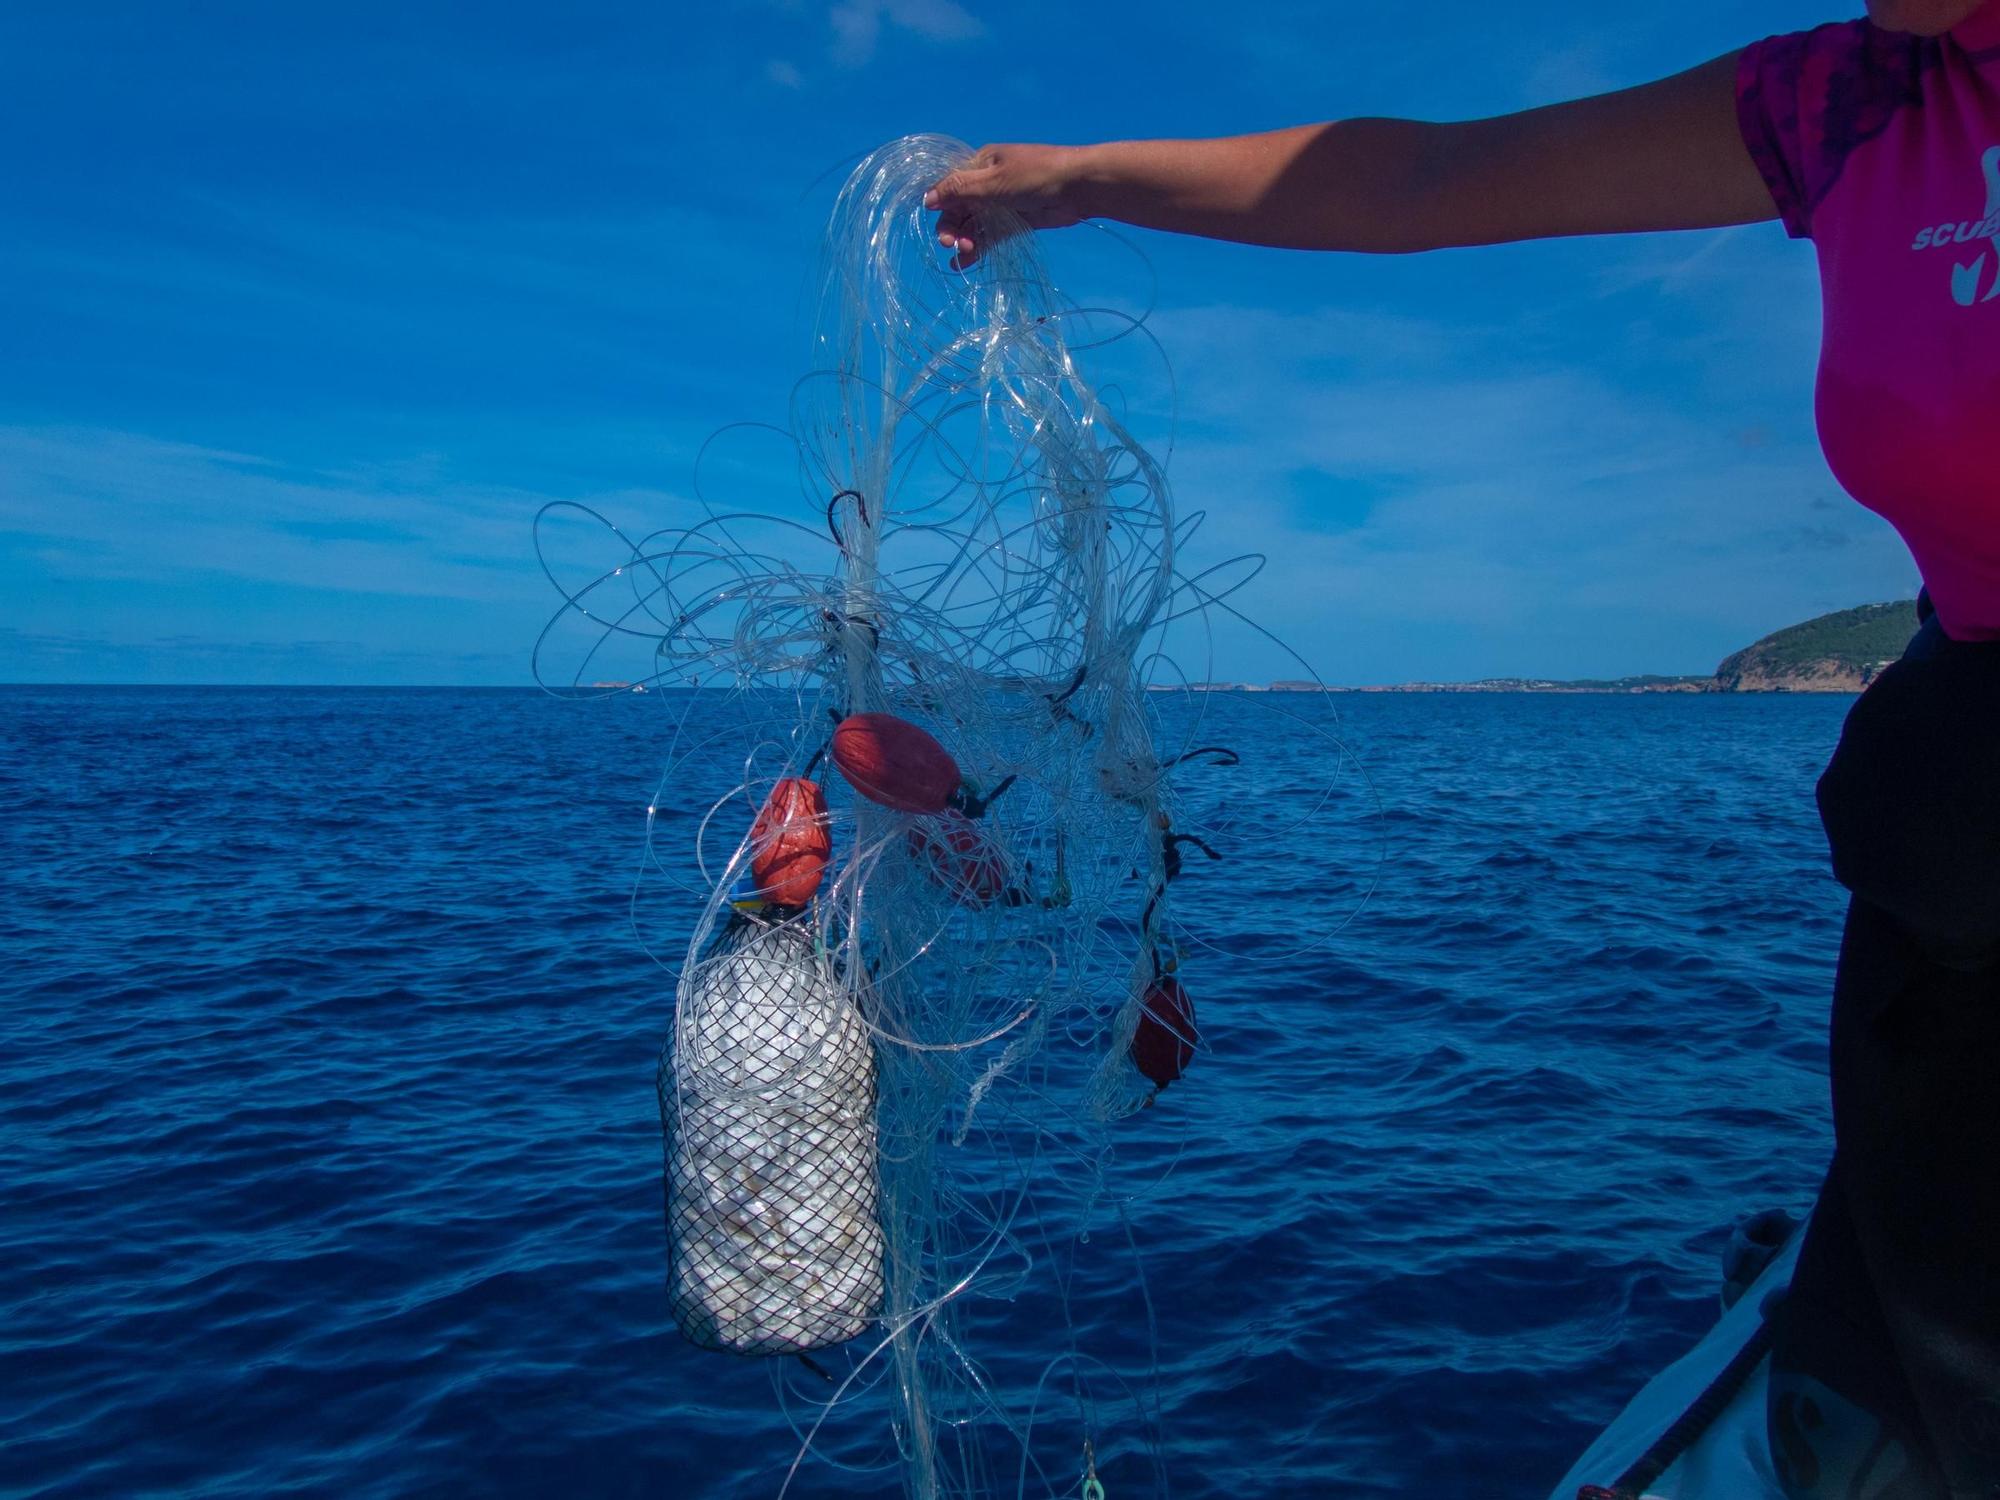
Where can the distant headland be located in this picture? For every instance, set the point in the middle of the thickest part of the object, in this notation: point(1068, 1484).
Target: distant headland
point(1837, 653)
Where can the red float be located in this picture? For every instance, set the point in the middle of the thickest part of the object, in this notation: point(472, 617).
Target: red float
point(790, 842)
point(955, 853)
point(891, 761)
point(1164, 1043)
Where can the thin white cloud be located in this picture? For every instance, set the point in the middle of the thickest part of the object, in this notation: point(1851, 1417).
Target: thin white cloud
point(1395, 470)
point(110, 505)
point(1572, 72)
point(858, 24)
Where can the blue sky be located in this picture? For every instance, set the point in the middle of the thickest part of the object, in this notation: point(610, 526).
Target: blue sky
point(304, 311)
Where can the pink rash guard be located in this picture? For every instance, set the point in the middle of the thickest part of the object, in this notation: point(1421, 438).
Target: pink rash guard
point(1884, 150)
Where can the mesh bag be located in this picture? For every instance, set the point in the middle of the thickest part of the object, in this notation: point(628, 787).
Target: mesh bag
point(767, 1098)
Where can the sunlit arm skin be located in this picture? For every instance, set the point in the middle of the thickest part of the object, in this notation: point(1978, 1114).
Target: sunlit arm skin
point(1665, 155)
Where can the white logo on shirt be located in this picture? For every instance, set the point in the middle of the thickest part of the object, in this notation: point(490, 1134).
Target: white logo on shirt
point(1965, 279)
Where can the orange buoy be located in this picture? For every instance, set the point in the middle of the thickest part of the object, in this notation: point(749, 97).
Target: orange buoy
point(790, 842)
point(891, 761)
point(951, 849)
point(1164, 1043)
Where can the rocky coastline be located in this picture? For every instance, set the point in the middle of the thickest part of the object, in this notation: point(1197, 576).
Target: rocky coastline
point(1840, 652)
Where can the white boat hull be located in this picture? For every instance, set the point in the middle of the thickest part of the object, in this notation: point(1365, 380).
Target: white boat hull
point(1732, 1459)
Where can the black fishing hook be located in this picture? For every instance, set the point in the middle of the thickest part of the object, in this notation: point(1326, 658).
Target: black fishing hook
point(966, 801)
point(832, 505)
point(1170, 852)
point(1228, 757)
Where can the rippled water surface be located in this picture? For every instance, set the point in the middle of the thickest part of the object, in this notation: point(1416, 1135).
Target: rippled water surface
point(331, 1152)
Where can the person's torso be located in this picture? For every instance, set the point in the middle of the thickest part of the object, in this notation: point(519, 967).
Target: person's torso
point(1908, 234)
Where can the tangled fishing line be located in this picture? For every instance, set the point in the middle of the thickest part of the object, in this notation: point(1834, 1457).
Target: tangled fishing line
point(933, 958)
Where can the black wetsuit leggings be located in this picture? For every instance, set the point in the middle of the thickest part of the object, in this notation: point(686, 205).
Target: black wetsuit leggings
point(1885, 1378)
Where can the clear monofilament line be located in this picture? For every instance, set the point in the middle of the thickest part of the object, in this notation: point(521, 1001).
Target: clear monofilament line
point(982, 548)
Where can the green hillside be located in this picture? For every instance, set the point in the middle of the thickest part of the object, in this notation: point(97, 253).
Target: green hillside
point(1849, 643)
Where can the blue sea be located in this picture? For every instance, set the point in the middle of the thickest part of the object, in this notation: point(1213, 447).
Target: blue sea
point(331, 1154)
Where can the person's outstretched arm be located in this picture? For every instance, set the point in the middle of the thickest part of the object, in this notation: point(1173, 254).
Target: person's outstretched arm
point(1665, 155)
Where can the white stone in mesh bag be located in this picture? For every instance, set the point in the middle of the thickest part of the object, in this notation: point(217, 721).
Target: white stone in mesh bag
point(767, 1098)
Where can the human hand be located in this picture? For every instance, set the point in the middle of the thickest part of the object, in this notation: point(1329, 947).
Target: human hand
point(1039, 185)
